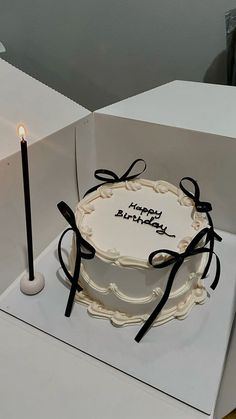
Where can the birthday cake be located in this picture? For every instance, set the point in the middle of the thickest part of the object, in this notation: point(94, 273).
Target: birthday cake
point(139, 229)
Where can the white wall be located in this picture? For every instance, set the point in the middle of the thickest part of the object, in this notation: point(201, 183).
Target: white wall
point(100, 51)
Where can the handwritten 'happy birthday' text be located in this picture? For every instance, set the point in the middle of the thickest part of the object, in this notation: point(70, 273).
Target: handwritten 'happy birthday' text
point(155, 215)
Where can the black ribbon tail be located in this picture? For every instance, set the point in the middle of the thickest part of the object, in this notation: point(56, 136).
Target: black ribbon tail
point(74, 287)
point(71, 298)
point(211, 251)
point(217, 237)
point(212, 236)
point(64, 268)
point(73, 279)
point(160, 305)
point(217, 275)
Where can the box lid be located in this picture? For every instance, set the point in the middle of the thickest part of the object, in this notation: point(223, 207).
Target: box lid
point(191, 105)
point(26, 100)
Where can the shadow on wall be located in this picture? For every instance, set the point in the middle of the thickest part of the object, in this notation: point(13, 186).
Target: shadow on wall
point(217, 70)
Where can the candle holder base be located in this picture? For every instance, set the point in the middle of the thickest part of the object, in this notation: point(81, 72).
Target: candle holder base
point(32, 287)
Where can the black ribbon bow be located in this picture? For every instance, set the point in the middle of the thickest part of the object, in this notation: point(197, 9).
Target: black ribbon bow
point(177, 260)
point(81, 243)
point(201, 207)
point(107, 176)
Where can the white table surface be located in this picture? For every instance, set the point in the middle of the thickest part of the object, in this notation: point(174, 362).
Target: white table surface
point(42, 377)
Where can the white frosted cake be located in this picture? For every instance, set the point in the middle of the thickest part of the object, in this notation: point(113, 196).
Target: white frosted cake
point(125, 222)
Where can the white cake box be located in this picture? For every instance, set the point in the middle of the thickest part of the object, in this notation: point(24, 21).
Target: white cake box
point(50, 119)
point(178, 130)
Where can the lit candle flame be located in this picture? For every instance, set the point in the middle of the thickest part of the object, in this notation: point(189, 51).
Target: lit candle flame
point(21, 132)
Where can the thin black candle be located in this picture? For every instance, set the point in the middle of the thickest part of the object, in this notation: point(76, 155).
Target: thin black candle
point(25, 171)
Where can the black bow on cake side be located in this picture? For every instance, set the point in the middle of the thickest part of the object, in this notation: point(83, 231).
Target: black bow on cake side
point(208, 235)
point(81, 243)
point(177, 260)
point(107, 176)
point(202, 207)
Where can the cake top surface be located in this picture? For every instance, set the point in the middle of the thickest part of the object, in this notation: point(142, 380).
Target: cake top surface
point(127, 221)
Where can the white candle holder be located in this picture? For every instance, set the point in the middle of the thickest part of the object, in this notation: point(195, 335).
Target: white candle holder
point(32, 287)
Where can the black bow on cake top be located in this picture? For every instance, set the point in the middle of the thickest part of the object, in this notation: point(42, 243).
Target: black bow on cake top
point(107, 176)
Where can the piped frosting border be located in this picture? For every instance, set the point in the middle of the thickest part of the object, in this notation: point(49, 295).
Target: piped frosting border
point(86, 206)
